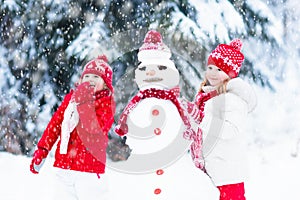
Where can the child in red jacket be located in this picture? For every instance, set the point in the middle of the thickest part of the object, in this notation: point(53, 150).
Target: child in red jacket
point(80, 125)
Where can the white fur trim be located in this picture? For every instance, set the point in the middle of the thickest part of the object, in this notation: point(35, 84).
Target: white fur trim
point(159, 61)
point(154, 54)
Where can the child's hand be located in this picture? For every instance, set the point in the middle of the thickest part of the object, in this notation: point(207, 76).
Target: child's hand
point(84, 92)
point(38, 159)
point(202, 97)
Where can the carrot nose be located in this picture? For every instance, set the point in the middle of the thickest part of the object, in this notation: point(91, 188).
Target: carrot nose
point(150, 72)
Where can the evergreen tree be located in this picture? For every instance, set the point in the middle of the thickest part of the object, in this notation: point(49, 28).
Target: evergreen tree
point(35, 35)
point(43, 45)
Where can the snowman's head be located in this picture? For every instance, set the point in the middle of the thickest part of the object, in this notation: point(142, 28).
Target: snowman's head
point(156, 74)
point(156, 70)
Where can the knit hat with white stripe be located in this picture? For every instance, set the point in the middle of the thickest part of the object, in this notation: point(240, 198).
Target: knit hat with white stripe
point(228, 57)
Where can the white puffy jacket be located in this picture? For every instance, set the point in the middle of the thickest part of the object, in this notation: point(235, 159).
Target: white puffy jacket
point(223, 125)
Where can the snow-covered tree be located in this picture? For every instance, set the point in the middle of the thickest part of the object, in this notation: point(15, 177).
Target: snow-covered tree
point(34, 37)
point(43, 45)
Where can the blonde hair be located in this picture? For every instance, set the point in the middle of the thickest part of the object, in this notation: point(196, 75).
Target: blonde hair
point(202, 84)
point(220, 89)
point(105, 86)
point(223, 87)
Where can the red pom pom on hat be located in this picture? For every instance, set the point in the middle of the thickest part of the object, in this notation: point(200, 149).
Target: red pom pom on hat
point(153, 36)
point(102, 57)
point(236, 44)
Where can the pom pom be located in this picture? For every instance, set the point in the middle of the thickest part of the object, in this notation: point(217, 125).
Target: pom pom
point(102, 57)
point(236, 44)
point(153, 37)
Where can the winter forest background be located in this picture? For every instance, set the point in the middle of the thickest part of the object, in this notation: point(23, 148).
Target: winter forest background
point(44, 44)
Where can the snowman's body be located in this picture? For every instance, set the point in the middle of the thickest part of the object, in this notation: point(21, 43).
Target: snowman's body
point(152, 125)
point(155, 125)
point(169, 122)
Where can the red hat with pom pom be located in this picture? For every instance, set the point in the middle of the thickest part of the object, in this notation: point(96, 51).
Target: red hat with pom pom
point(100, 67)
point(155, 51)
point(228, 57)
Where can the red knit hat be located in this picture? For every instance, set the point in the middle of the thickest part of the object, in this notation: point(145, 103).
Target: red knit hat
point(153, 46)
point(228, 57)
point(155, 51)
point(100, 67)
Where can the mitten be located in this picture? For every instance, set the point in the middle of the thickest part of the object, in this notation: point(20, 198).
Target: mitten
point(196, 150)
point(38, 160)
point(88, 118)
point(202, 97)
point(83, 93)
point(194, 112)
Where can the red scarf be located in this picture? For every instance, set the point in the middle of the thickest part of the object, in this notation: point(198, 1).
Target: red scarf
point(172, 95)
point(102, 93)
point(196, 146)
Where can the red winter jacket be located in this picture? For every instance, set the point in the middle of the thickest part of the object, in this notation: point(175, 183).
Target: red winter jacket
point(86, 148)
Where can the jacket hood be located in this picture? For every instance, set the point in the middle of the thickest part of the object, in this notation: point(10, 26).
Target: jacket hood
point(242, 89)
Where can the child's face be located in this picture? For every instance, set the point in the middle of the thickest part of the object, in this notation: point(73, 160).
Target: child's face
point(215, 75)
point(95, 81)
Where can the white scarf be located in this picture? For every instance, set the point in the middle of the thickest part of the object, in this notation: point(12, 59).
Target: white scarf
point(70, 121)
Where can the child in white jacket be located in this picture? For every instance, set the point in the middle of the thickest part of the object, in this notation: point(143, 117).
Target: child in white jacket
point(225, 100)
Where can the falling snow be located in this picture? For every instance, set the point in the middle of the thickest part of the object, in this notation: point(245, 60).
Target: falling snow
point(43, 45)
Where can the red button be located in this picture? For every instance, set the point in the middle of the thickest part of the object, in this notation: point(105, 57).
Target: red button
point(157, 191)
point(159, 172)
point(157, 131)
point(155, 112)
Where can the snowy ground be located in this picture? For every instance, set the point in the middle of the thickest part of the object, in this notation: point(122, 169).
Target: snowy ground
point(274, 172)
point(274, 175)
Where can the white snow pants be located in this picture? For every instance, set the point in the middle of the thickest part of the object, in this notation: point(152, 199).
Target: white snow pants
point(74, 185)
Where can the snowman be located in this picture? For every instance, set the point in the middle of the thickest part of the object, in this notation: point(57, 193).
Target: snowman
point(155, 120)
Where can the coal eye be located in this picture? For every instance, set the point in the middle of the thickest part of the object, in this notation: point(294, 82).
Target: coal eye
point(161, 67)
point(142, 68)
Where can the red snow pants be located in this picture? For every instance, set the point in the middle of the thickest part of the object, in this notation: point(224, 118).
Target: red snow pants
point(232, 192)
